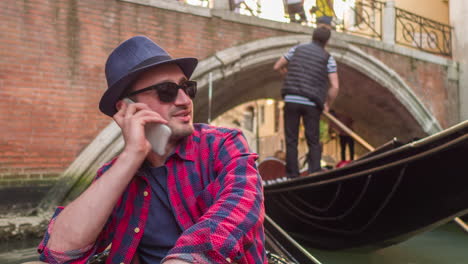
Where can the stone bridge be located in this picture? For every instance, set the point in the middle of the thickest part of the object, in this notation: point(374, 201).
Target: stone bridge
point(53, 53)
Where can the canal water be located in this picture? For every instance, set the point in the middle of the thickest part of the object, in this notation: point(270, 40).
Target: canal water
point(19, 251)
point(445, 245)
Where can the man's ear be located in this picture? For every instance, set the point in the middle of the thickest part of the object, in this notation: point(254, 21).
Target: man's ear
point(118, 105)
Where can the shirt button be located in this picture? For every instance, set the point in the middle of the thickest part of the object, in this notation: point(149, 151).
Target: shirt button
point(136, 230)
point(145, 193)
point(228, 260)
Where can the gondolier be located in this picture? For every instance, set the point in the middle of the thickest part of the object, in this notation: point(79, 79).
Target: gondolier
point(310, 86)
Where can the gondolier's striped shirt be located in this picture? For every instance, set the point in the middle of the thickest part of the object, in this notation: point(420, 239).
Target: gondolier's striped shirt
point(216, 196)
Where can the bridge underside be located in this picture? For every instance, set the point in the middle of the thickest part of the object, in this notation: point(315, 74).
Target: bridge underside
point(378, 115)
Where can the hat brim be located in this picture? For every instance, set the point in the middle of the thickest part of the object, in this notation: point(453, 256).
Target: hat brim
point(113, 93)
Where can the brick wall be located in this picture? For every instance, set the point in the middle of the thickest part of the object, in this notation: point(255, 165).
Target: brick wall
point(52, 54)
point(51, 71)
point(429, 81)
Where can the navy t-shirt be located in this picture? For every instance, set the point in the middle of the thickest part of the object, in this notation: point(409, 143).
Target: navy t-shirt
point(162, 229)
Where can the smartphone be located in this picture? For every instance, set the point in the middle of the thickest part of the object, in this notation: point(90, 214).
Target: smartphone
point(157, 134)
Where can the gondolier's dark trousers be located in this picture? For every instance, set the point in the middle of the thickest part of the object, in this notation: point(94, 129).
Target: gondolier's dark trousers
point(311, 118)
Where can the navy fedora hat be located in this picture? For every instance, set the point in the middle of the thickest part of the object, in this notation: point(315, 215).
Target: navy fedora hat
point(131, 58)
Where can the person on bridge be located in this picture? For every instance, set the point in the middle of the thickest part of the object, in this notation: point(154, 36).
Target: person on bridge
point(199, 202)
point(310, 86)
point(324, 13)
point(296, 7)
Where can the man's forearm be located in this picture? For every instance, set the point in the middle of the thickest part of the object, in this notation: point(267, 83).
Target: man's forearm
point(333, 89)
point(281, 66)
point(80, 223)
point(332, 96)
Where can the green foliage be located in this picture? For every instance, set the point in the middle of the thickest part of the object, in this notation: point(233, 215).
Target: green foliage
point(324, 136)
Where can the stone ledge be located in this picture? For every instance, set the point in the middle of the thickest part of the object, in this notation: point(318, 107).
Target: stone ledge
point(395, 48)
point(173, 6)
point(9, 183)
point(223, 14)
point(22, 227)
point(22, 174)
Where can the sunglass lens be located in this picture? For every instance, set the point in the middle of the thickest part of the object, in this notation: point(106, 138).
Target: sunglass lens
point(167, 92)
point(190, 88)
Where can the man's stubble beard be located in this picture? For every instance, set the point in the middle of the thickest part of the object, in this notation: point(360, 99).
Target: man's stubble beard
point(179, 133)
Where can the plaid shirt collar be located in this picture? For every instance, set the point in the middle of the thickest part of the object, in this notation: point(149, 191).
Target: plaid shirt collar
point(185, 149)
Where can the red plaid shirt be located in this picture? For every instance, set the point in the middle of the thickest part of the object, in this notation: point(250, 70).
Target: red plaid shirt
point(216, 196)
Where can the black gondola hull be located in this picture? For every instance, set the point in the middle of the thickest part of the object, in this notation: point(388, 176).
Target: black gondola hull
point(378, 201)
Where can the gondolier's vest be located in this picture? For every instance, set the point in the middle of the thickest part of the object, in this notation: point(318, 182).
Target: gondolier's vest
point(307, 73)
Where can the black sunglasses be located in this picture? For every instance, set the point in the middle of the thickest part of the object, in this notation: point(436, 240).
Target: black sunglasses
point(167, 91)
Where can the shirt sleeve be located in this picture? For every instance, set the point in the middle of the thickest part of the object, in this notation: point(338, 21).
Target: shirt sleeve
point(331, 66)
point(288, 56)
point(78, 256)
point(72, 256)
point(233, 224)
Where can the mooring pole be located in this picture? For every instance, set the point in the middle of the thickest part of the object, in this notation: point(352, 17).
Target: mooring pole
point(210, 95)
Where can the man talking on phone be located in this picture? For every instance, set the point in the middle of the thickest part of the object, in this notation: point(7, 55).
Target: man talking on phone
point(201, 201)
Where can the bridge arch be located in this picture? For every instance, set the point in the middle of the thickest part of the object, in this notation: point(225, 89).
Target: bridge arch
point(244, 73)
point(382, 104)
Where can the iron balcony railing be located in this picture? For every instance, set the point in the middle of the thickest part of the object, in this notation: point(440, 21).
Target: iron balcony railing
point(365, 18)
point(422, 33)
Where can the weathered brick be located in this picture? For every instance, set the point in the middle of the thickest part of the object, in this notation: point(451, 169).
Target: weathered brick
point(53, 54)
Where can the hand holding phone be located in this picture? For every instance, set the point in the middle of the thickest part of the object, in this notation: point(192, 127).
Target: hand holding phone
point(157, 134)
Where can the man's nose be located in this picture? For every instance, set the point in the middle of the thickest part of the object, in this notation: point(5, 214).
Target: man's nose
point(182, 98)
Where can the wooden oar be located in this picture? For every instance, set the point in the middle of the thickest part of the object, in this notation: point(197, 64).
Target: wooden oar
point(461, 223)
point(348, 131)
